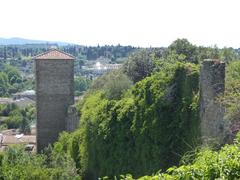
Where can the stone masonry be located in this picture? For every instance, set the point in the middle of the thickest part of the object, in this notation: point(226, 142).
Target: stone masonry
point(212, 77)
point(72, 119)
point(54, 72)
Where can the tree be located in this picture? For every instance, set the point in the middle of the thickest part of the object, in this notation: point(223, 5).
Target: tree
point(14, 119)
point(228, 54)
point(184, 47)
point(29, 116)
point(3, 84)
point(139, 65)
point(117, 84)
point(114, 84)
point(13, 74)
point(81, 84)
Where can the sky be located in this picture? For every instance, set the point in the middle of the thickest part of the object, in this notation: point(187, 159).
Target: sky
point(142, 23)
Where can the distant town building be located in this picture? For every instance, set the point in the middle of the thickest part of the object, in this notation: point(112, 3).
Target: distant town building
point(10, 137)
point(54, 71)
point(25, 94)
point(99, 68)
point(6, 100)
point(20, 102)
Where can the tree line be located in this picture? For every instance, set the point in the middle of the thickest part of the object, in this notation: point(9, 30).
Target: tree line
point(86, 52)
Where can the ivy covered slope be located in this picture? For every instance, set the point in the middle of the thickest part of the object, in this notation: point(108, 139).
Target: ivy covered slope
point(209, 164)
point(148, 129)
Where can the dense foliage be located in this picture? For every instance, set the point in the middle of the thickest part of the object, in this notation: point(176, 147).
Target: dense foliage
point(142, 63)
point(141, 119)
point(17, 118)
point(129, 135)
point(17, 164)
point(231, 96)
point(139, 65)
point(208, 164)
point(11, 81)
point(148, 127)
point(89, 52)
point(114, 84)
point(81, 84)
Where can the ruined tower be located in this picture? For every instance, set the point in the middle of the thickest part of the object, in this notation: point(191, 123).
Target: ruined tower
point(212, 78)
point(54, 72)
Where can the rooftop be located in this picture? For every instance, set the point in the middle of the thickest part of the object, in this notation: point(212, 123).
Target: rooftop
point(11, 139)
point(27, 92)
point(54, 54)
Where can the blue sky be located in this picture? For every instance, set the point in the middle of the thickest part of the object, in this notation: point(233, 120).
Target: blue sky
point(128, 22)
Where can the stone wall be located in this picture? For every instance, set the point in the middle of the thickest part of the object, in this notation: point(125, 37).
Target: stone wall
point(55, 93)
point(212, 78)
point(72, 120)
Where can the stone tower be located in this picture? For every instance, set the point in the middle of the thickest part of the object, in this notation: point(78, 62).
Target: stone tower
point(54, 71)
point(212, 80)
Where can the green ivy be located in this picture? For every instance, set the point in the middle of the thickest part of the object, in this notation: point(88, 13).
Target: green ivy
point(148, 129)
point(209, 164)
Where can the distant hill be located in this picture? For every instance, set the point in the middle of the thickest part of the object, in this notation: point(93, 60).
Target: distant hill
point(21, 41)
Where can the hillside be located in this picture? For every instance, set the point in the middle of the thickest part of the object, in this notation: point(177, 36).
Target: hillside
point(22, 41)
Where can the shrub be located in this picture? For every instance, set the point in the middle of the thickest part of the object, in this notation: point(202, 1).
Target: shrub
point(18, 164)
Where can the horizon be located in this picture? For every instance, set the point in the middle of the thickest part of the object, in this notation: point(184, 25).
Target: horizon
point(43, 41)
point(139, 23)
point(60, 43)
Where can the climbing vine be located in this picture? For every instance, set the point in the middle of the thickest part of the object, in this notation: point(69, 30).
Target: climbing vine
point(148, 129)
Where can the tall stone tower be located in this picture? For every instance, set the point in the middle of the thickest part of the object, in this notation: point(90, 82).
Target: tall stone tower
point(54, 71)
point(212, 80)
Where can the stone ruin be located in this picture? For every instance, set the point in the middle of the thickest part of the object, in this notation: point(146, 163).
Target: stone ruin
point(212, 84)
point(72, 118)
point(55, 98)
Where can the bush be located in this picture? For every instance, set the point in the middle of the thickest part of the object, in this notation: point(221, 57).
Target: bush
point(18, 164)
point(209, 164)
point(113, 84)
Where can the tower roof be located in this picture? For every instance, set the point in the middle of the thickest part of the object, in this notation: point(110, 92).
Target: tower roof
point(54, 54)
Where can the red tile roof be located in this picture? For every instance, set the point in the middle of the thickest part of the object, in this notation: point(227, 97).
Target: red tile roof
point(54, 54)
point(11, 139)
